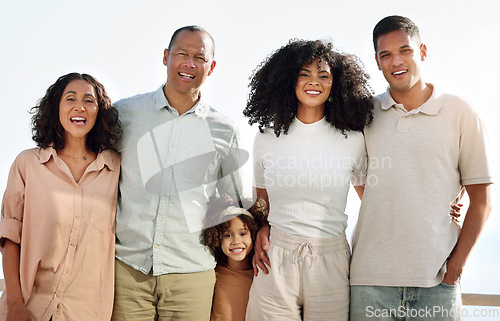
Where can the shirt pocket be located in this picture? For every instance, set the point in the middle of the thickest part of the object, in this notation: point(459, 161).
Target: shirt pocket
point(103, 212)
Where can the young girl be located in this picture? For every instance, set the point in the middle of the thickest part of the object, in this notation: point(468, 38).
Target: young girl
point(311, 104)
point(230, 239)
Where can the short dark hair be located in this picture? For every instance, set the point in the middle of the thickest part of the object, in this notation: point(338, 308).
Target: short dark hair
point(48, 131)
point(191, 28)
point(395, 23)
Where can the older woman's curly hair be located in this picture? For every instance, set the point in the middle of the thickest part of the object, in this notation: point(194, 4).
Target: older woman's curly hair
point(218, 222)
point(272, 102)
point(48, 131)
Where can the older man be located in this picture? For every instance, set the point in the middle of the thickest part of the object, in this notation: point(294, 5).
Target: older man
point(176, 152)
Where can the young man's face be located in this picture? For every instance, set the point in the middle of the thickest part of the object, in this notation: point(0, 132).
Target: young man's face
point(189, 61)
point(399, 56)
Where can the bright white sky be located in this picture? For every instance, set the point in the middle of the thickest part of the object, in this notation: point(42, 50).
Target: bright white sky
point(121, 43)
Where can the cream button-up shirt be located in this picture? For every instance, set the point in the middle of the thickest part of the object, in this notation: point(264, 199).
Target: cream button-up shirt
point(171, 165)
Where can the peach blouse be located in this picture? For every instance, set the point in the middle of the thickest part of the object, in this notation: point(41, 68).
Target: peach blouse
point(66, 231)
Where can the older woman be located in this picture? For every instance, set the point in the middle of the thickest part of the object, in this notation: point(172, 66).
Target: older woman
point(58, 211)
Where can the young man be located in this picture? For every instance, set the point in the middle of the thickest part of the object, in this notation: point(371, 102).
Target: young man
point(176, 152)
point(408, 255)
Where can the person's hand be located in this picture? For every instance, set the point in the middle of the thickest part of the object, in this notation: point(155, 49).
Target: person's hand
point(452, 275)
point(455, 212)
point(261, 247)
point(18, 312)
point(450, 279)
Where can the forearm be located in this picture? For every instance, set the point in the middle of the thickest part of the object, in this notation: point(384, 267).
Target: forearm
point(475, 219)
point(11, 264)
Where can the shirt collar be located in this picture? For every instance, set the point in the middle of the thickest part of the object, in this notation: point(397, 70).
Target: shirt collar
point(200, 108)
point(431, 107)
point(103, 158)
point(45, 154)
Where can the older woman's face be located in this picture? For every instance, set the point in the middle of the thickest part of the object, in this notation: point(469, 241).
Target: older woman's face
point(78, 109)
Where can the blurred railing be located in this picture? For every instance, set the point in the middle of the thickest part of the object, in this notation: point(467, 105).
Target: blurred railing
point(467, 298)
point(491, 300)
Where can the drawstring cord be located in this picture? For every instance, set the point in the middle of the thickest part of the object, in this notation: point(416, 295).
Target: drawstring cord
point(304, 250)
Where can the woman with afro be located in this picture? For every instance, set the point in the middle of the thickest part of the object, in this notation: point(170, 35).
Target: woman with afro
point(311, 104)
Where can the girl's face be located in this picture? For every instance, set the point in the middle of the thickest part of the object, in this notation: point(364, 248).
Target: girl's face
point(78, 109)
point(237, 244)
point(314, 83)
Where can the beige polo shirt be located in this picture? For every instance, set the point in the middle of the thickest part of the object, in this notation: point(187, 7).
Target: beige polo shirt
point(66, 231)
point(418, 161)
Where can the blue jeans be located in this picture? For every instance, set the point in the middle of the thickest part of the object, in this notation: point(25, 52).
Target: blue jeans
point(442, 302)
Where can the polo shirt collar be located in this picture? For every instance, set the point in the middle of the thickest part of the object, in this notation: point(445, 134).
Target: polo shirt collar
point(431, 107)
point(161, 101)
point(104, 158)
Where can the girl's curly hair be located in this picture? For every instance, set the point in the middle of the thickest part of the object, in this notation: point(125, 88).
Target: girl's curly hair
point(219, 223)
point(48, 131)
point(272, 102)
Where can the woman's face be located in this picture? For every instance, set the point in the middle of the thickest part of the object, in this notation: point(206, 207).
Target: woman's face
point(78, 109)
point(314, 83)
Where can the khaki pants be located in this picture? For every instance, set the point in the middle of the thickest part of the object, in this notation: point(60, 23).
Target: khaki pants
point(172, 297)
point(308, 280)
